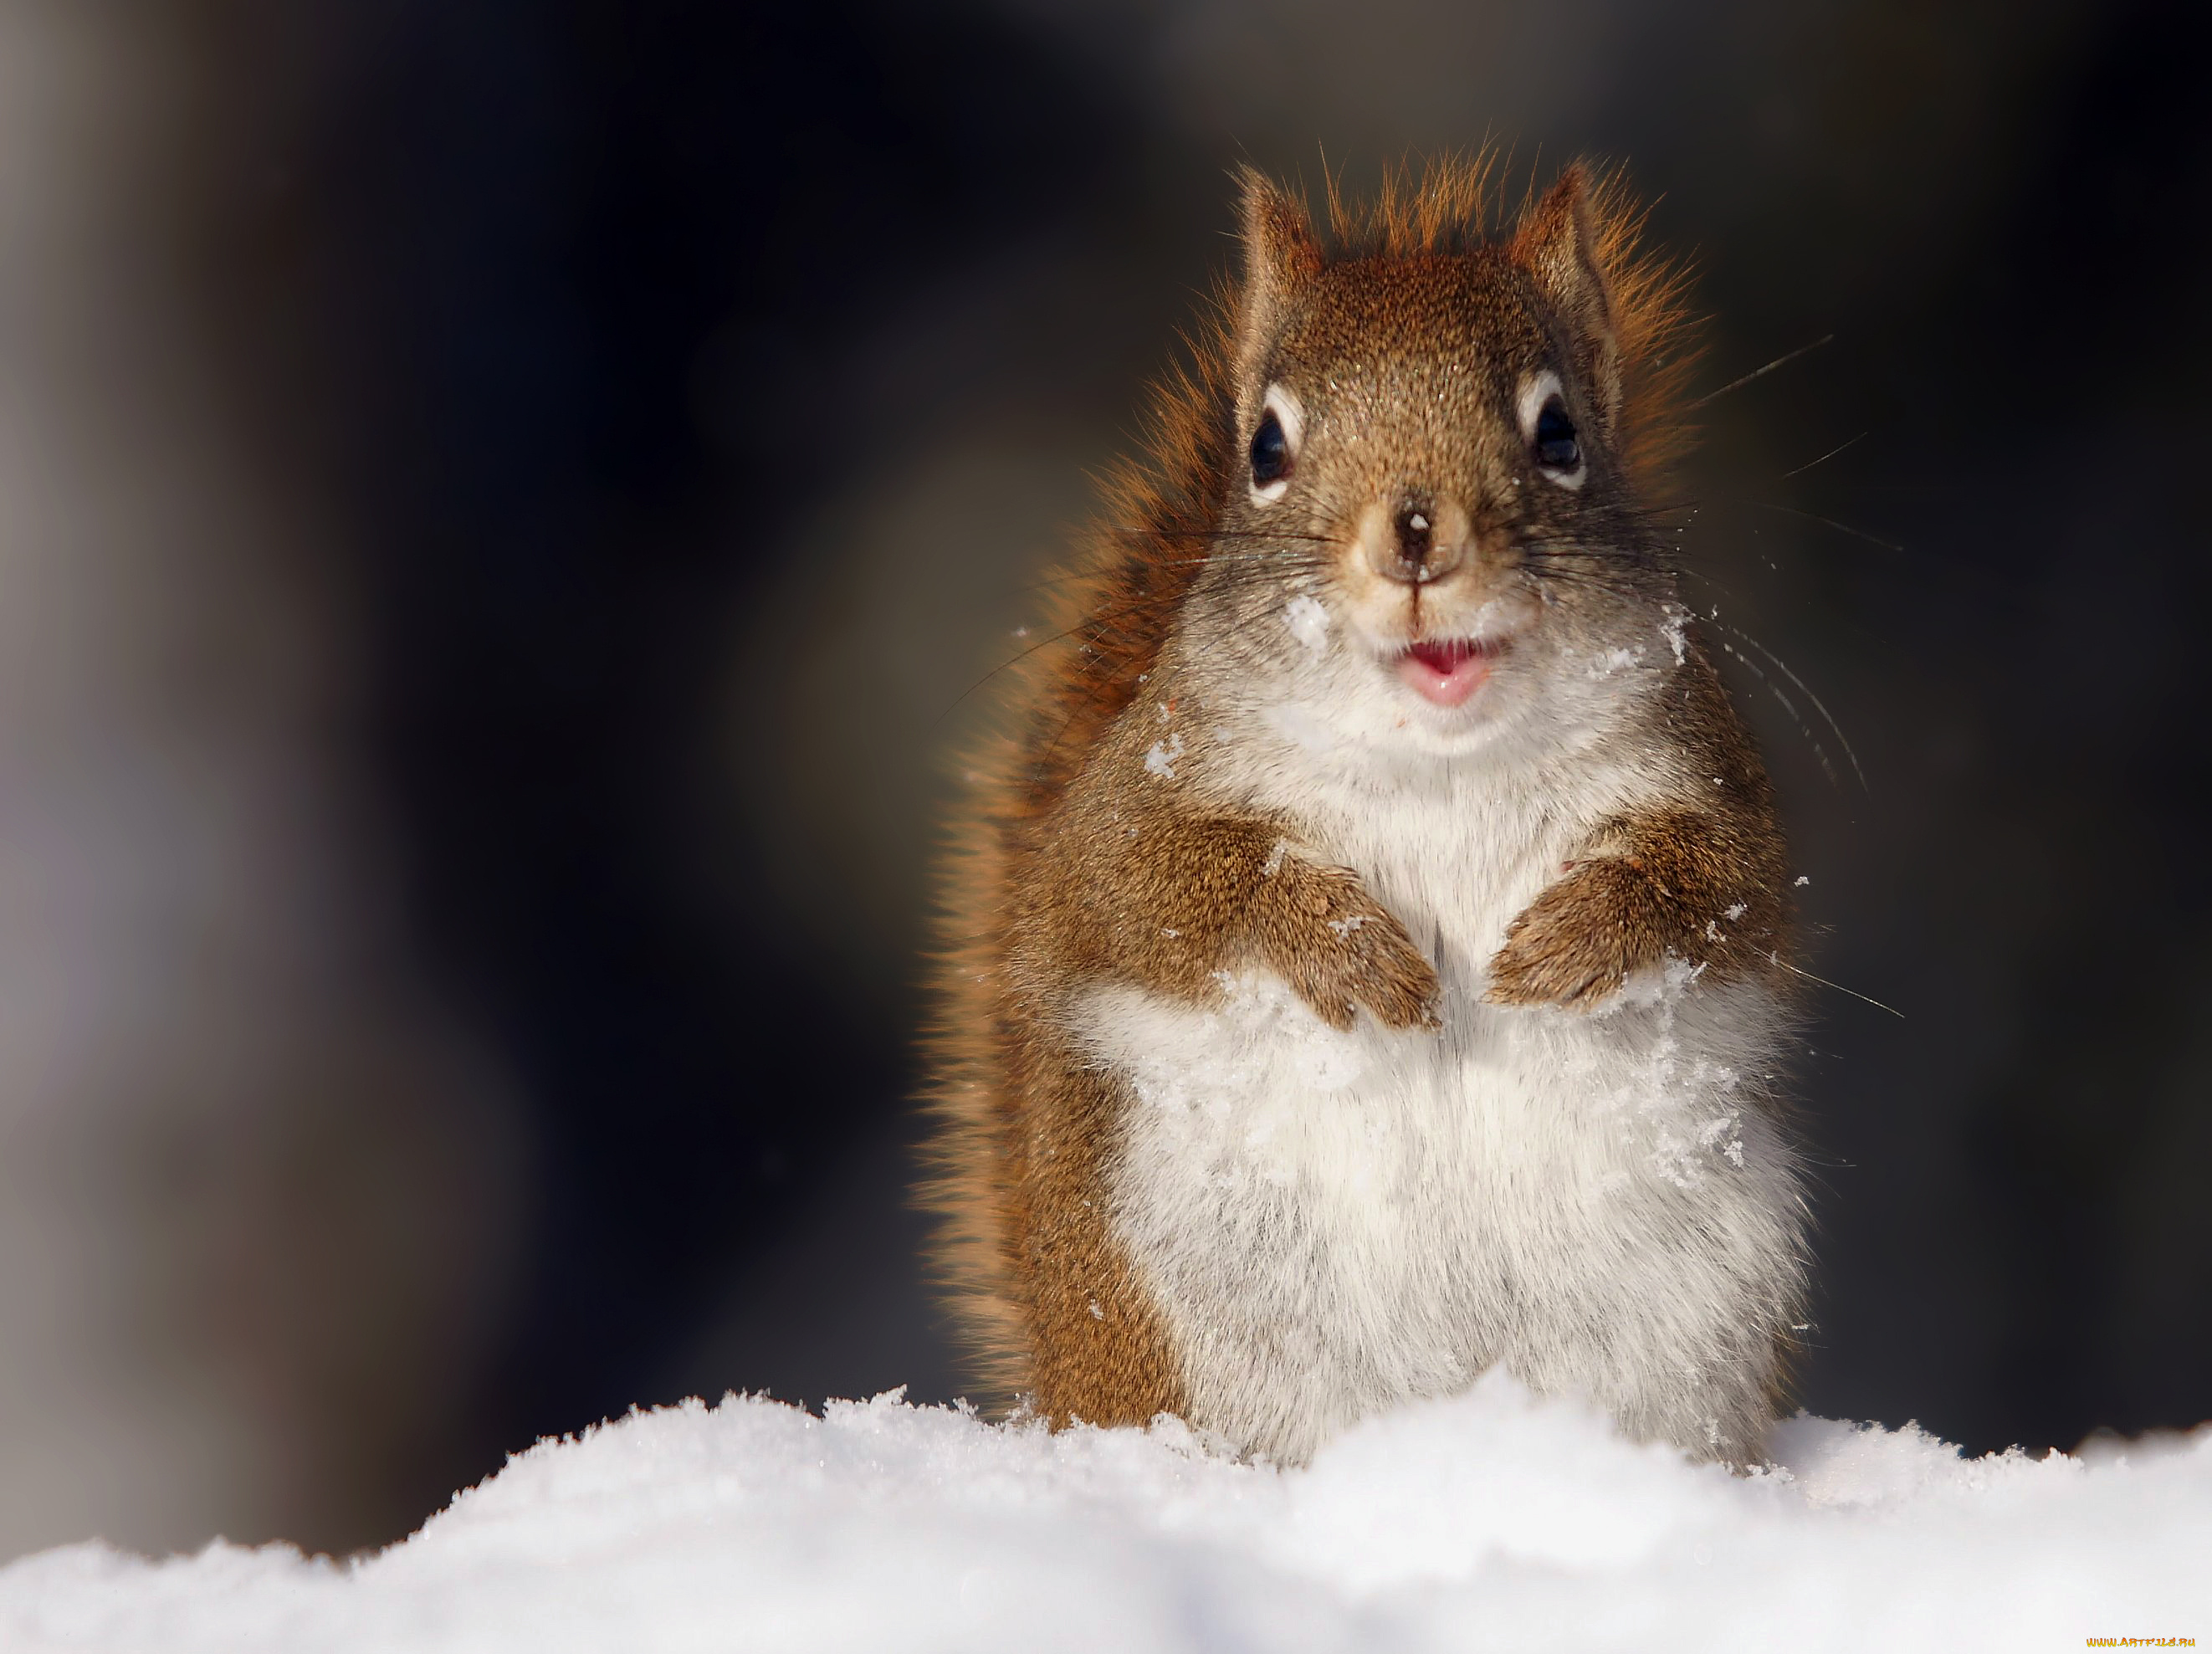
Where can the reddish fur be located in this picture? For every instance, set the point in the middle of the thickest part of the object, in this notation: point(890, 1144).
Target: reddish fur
point(1015, 1232)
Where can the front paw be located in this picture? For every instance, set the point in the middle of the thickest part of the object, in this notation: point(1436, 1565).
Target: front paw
point(1576, 943)
point(1339, 949)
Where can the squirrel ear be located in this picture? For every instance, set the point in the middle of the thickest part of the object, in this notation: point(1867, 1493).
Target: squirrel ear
point(1281, 254)
point(1557, 245)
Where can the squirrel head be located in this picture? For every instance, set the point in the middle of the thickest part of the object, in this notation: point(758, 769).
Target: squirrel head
point(1433, 517)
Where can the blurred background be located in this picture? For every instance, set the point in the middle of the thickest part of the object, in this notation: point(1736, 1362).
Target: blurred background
point(502, 502)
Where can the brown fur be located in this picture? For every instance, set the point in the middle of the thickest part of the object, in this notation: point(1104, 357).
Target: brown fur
point(1655, 881)
point(1047, 885)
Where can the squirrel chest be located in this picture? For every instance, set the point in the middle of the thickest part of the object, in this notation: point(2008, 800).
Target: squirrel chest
point(1367, 955)
point(1330, 1220)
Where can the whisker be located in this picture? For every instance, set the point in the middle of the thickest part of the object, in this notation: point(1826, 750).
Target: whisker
point(1283, 559)
point(1140, 532)
point(1825, 458)
point(1241, 569)
point(1050, 751)
point(1708, 581)
point(1930, 560)
point(1795, 717)
point(1092, 622)
point(1776, 958)
point(1759, 373)
point(1782, 667)
point(1830, 522)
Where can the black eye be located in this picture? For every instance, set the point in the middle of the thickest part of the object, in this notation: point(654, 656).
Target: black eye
point(1556, 448)
point(1270, 451)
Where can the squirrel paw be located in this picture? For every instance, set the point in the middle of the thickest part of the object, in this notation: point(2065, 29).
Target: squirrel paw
point(1339, 949)
point(1576, 942)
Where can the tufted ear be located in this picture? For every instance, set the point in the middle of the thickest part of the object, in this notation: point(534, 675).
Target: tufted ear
point(1281, 255)
point(1557, 243)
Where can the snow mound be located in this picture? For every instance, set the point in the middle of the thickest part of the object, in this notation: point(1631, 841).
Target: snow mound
point(1492, 1520)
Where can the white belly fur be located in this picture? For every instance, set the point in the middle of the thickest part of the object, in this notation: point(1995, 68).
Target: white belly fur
point(1331, 1222)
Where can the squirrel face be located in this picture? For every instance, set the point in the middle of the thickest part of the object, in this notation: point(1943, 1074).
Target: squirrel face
point(1427, 527)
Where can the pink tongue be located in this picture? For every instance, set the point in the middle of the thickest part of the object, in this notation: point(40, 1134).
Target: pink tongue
point(1446, 673)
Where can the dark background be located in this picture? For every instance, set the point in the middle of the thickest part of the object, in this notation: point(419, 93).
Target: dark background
point(678, 397)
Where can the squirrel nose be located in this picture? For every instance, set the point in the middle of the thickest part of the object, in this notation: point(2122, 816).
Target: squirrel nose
point(1426, 539)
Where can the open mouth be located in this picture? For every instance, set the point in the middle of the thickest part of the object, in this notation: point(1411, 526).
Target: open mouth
point(1445, 673)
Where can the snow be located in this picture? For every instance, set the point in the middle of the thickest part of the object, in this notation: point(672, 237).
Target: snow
point(1308, 621)
point(1611, 662)
point(1491, 1520)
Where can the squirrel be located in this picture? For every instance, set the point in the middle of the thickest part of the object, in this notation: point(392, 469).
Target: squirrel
point(1367, 955)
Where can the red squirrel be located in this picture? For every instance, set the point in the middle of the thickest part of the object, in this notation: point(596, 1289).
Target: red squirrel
point(1367, 955)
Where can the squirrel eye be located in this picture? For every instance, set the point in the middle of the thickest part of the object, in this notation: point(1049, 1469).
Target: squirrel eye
point(1556, 446)
point(1274, 447)
point(1270, 451)
point(1548, 430)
